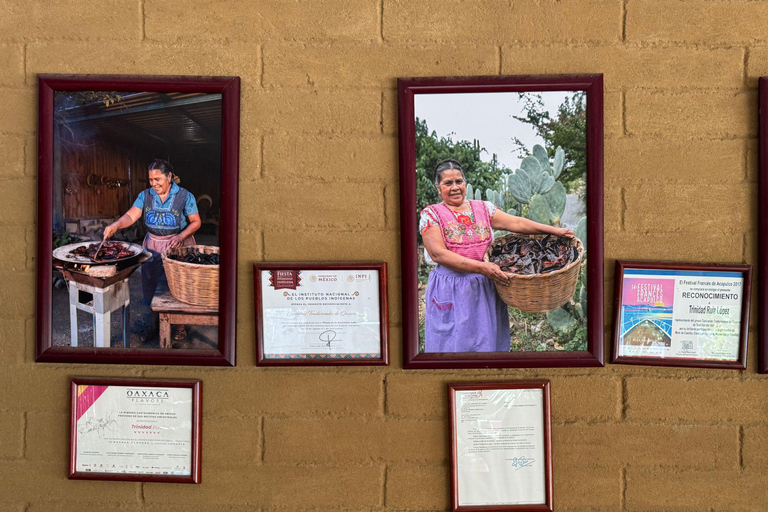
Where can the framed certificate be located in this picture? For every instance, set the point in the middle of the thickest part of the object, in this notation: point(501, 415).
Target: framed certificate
point(321, 314)
point(679, 314)
point(145, 430)
point(501, 446)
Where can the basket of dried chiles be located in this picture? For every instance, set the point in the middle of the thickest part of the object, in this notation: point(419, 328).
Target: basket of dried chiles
point(543, 270)
point(193, 274)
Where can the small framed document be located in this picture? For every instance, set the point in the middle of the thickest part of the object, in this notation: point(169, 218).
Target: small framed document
point(681, 314)
point(321, 314)
point(501, 446)
point(145, 430)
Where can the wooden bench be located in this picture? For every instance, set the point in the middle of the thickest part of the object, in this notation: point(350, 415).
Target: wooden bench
point(175, 312)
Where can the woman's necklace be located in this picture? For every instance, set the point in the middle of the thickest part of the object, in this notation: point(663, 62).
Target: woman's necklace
point(464, 217)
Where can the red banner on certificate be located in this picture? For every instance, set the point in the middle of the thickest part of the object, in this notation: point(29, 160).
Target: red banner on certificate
point(284, 279)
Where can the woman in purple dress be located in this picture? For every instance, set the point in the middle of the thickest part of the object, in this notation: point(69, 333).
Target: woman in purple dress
point(463, 311)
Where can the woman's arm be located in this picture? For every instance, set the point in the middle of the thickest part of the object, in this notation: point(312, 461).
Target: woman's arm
point(433, 242)
point(522, 225)
point(132, 215)
point(194, 225)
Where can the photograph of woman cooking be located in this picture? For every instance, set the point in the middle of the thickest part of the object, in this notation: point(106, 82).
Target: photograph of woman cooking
point(136, 220)
point(501, 187)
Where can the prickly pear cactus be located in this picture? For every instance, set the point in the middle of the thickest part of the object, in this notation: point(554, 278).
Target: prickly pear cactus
point(559, 162)
point(539, 209)
point(556, 200)
point(470, 191)
point(581, 231)
point(561, 320)
point(519, 185)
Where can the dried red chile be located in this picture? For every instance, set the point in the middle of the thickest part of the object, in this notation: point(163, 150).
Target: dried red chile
point(197, 257)
point(109, 251)
point(528, 256)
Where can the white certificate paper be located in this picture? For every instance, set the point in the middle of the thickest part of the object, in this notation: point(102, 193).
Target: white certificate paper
point(134, 429)
point(500, 447)
point(321, 313)
point(681, 314)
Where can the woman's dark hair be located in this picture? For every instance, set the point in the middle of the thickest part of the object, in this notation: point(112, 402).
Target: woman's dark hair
point(448, 163)
point(164, 166)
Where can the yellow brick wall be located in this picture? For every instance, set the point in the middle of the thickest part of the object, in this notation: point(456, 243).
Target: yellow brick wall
point(319, 122)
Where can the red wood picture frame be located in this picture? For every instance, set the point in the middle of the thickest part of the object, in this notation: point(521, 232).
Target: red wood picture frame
point(762, 228)
point(408, 88)
point(544, 385)
point(380, 267)
point(229, 88)
point(197, 421)
point(739, 364)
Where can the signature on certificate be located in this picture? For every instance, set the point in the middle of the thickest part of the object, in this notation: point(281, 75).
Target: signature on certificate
point(98, 425)
point(522, 462)
point(328, 337)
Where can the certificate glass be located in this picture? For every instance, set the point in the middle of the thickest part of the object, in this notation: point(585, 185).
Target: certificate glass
point(682, 315)
point(321, 313)
point(501, 446)
point(142, 430)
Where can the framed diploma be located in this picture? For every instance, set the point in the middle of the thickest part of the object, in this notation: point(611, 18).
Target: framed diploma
point(501, 446)
point(321, 314)
point(679, 314)
point(135, 429)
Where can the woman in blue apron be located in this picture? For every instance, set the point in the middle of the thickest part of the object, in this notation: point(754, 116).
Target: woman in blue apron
point(170, 218)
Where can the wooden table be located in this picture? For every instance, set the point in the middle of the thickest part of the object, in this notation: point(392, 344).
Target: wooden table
point(175, 312)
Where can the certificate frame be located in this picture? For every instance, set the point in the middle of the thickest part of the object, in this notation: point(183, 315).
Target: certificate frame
point(544, 385)
point(739, 364)
point(196, 432)
point(49, 189)
point(762, 230)
point(415, 356)
point(380, 267)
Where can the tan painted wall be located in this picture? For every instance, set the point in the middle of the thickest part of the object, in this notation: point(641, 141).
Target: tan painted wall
point(319, 181)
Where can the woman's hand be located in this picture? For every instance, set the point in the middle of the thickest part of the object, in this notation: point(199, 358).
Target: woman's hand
point(567, 233)
point(493, 272)
point(176, 241)
point(109, 231)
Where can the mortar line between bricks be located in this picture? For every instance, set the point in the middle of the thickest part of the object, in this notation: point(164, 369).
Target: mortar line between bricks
point(624, 21)
point(25, 422)
point(501, 60)
point(381, 21)
point(623, 102)
point(624, 399)
point(263, 440)
point(261, 67)
point(744, 65)
point(744, 242)
point(623, 489)
point(383, 501)
point(741, 447)
point(143, 14)
point(262, 143)
point(381, 113)
point(24, 62)
point(623, 214)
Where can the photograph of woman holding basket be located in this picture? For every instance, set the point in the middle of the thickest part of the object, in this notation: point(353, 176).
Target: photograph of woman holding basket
point(501, 188)
point(463, 311)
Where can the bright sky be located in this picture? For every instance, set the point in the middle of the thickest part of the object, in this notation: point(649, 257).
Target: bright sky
point(486, 117)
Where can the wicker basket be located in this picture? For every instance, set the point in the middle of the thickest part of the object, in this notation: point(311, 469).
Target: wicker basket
point(190, 282)
point(538, 293)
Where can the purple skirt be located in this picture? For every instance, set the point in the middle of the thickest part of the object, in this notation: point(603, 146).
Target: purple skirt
point(464, 314)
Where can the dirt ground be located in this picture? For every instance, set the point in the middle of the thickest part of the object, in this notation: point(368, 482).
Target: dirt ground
point(143, 326)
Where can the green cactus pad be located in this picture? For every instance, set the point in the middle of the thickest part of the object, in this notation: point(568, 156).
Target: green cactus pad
point(539, 209)
point(561, 320)
point(512, 211)
point(559, 162)
point(583, 301)
point(547, 181)
point(556, 199)
point(470, 191)
point(519, 185)
point(581, 231)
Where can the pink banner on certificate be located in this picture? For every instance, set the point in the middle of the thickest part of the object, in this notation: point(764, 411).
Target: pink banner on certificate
point(651, 292)
point(86, 396)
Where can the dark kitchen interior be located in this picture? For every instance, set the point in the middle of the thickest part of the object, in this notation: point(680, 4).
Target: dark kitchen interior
point(104, 142)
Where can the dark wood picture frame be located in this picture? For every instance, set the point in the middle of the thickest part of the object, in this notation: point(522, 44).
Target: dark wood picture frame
point(544, 385)
point(197, 425)
point(592, 84)
point(739, 364)
point(762, 227)
point(229, 88)
point(381, 267)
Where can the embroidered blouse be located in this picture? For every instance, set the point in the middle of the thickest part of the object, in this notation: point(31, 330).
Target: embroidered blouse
point(429, 217)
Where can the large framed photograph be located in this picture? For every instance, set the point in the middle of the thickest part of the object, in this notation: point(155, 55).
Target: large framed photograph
point(681, 314)
point(137, 219)
point(501, 211)
point(762, 208)
point(135, 429)
point(321, 314)
point(501, 446)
